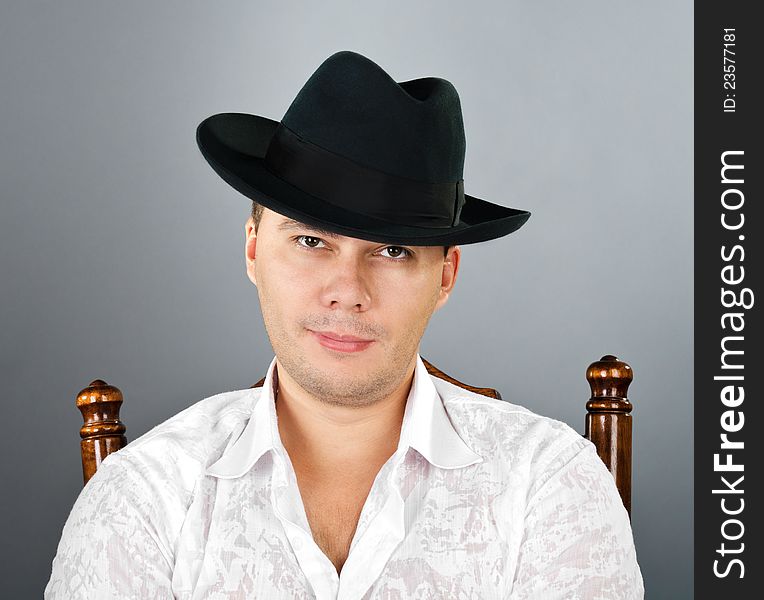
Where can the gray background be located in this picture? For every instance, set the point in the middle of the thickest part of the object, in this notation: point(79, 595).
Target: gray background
point(121, 252)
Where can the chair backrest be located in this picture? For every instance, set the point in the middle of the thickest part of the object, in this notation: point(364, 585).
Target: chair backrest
point(608, 422)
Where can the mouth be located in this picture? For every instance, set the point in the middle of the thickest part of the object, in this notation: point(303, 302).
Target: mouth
point(339, 342)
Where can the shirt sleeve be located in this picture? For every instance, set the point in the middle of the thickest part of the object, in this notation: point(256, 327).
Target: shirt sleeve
point(578, 542)
point(110, 547)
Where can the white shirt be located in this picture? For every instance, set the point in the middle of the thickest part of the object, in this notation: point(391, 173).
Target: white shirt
point(482, 499)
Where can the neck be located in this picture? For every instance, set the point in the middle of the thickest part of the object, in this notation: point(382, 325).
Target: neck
point(326, 438)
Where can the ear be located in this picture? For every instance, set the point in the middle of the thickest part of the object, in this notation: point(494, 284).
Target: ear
point(250, 249)
point(448, 274)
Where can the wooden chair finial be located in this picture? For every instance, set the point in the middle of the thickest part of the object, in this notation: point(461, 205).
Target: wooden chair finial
point(608, 422)
point(103, 432)
point(609, 378)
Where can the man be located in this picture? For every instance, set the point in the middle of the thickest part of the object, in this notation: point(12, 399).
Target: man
point(351, 473)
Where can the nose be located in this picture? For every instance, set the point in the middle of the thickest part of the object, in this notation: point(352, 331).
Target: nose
point(346, 286)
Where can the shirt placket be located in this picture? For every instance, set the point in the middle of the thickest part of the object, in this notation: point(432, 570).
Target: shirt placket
point(289, 509)
point(373, 548)
point(370, 550)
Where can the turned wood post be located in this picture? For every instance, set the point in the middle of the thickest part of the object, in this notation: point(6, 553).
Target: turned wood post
point(103, 432)
point(608, 422)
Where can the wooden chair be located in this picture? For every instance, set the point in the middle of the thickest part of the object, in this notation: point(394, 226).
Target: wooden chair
point(608, 422)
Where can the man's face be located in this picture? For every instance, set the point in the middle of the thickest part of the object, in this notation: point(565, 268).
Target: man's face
point(311, 281)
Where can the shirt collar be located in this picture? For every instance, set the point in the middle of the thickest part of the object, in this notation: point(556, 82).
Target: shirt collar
point(260, 434)
point(426, 427)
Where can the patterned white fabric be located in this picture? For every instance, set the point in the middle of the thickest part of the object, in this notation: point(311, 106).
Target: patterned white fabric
point(483, 499)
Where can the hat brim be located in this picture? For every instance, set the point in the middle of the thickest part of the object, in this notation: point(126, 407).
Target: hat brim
point(234, 144)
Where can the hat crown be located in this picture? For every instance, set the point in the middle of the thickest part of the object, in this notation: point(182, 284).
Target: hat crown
point(352, 107)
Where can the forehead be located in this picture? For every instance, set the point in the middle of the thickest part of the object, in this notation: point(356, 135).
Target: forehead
point(287, 224)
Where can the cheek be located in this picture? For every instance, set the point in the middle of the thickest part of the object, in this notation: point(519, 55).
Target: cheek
point(279, 282)
point(410, 299)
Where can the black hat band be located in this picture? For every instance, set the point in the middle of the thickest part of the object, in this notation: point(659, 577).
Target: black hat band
point(347, 184)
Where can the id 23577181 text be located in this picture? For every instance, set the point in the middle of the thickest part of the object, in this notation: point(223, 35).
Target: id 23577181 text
point(728, 65)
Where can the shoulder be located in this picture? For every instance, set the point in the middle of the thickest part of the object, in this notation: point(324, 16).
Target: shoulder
point(135, 504)
point(136, 501)
point(511, 437)
point(176, 452)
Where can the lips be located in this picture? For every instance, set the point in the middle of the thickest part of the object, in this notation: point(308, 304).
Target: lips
point(342, 338)
point(340, 342)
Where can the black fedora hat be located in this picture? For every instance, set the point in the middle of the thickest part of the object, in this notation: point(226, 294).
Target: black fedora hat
point(362, 155)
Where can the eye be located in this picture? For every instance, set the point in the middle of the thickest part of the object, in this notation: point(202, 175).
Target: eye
point(310, 241)
point(398, 253)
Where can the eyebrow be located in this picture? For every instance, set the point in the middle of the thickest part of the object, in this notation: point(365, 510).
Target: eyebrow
point(291, 224)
